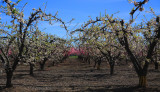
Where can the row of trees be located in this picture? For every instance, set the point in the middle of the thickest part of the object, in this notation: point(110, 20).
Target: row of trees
point(22, 42)
point(116, 38)
point(109, 37)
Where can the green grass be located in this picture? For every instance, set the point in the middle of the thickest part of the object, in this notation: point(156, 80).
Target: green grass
point(73, 56)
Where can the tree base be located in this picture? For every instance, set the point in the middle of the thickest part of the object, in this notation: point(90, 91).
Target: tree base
point(98, 67)
point(142, 81)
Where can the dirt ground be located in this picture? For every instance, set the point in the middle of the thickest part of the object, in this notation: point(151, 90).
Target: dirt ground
point(73, 75)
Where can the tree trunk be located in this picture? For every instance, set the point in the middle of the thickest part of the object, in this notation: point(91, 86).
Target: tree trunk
point(156, 65)
point(9, 74)
point(142, 81)
point(43, 63)
point(111, 67)
point(53, 63)
point(89, 62)
point(31, 69)
point(41, 66)
point(127, 61)
point(98, 67)
point(99, 63)
point(95, 63)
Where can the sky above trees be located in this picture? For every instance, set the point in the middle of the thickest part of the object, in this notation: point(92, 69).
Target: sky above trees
point(83, 10)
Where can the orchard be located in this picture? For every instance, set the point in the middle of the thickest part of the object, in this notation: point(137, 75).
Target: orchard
point(106, 53)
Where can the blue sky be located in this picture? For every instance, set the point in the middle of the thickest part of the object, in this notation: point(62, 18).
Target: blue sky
point(80, 10)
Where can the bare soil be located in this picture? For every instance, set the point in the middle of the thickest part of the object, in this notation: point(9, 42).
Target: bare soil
point(74, 75)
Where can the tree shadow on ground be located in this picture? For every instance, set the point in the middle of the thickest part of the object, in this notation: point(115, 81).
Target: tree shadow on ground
point(120, 88)
point(2, 87)
point(20, 76)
